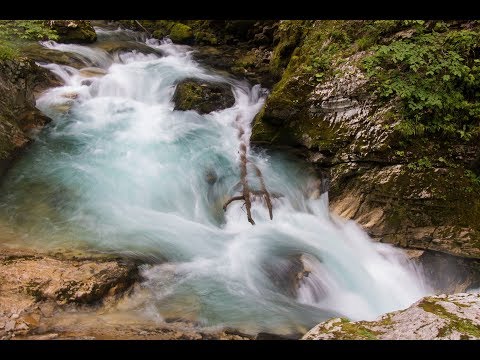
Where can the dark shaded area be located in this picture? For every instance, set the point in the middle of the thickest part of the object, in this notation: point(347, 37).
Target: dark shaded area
point(449, 274)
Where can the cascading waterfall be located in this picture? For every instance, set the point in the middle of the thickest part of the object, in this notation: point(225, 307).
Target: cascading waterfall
point(118, 170)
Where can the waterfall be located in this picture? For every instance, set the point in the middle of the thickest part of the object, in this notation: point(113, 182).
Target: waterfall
point(118, 170)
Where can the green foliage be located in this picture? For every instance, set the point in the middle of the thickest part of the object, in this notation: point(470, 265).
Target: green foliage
point(288, 35)
point(324, 46)
point(26, 29)
point(14, 30)
point(421, 164)
point(435, 75)
point(474, 178)
point(7, 52)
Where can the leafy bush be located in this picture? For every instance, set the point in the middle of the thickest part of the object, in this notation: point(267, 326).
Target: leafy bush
point(14, 30)
point(436, 76)
point(26, 29)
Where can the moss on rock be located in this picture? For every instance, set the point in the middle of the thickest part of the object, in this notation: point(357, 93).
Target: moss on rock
point(434, 317)
point(18, 115)
point(201, 96)
point(181, 33)
point(73, 31)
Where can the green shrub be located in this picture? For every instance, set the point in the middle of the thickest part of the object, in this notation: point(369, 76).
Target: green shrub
point(12, 31)
point(437, 78)
point(26, 29)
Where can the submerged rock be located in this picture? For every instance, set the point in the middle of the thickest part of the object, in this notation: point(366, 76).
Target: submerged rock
point(202, 96)
point(434, 317)
point(73, 31)
point(92, 72)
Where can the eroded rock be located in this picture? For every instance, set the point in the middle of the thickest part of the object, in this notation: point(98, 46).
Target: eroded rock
point(435, 317)
point(19, 79)
point(29, 277)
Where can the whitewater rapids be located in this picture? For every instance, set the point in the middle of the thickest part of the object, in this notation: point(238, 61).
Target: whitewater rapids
point(120, 171)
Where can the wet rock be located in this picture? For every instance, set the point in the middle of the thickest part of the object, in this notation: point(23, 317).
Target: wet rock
point(21, 327)
point(270, 336)
point(19, 79)
point(73, 31)
point(120, 46)
point(288, 273)
point(10, 325)
point(39, 53)
point(242, 61)
point(30, 277)
point(448, 274)
point(202, 96)
point(434, 317)
point(44, 337)
point(181, 33)
point(92, 72)
point(47, 309)
point(211, 176)
point(32, 319)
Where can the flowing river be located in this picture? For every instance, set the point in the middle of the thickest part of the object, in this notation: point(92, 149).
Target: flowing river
point(120, 171)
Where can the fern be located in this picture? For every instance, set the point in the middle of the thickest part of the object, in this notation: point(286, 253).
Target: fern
point(436, 76)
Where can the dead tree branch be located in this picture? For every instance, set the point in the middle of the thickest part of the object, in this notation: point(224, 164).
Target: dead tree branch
point(263, 188)
point(244, 182)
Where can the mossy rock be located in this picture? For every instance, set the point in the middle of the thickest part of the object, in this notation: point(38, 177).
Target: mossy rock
point(181, 33)
point(449, 317)
point(73, 31)
point(201, 96)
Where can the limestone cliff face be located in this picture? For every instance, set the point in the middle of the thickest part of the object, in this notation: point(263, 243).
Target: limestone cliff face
point(452, 317)
point(417, 191)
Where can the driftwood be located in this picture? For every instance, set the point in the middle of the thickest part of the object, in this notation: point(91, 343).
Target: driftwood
point(266, 194)
point(244, 182)
point(148, 32)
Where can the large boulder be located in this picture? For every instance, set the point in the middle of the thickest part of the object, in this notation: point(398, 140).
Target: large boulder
point(181, 33)
point(202, 96)
point(452, 317)
point(73, 31)
point(31, 276)
point(36, 285)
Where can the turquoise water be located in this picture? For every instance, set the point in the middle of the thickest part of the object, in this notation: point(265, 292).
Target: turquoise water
point(118, 170)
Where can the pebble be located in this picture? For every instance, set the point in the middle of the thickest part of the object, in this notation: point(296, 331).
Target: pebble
point(10, 325)
point(14, 316)
point(47, 309)
point(21, 326)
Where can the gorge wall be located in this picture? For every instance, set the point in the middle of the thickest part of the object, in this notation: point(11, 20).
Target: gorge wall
point(401, 162)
